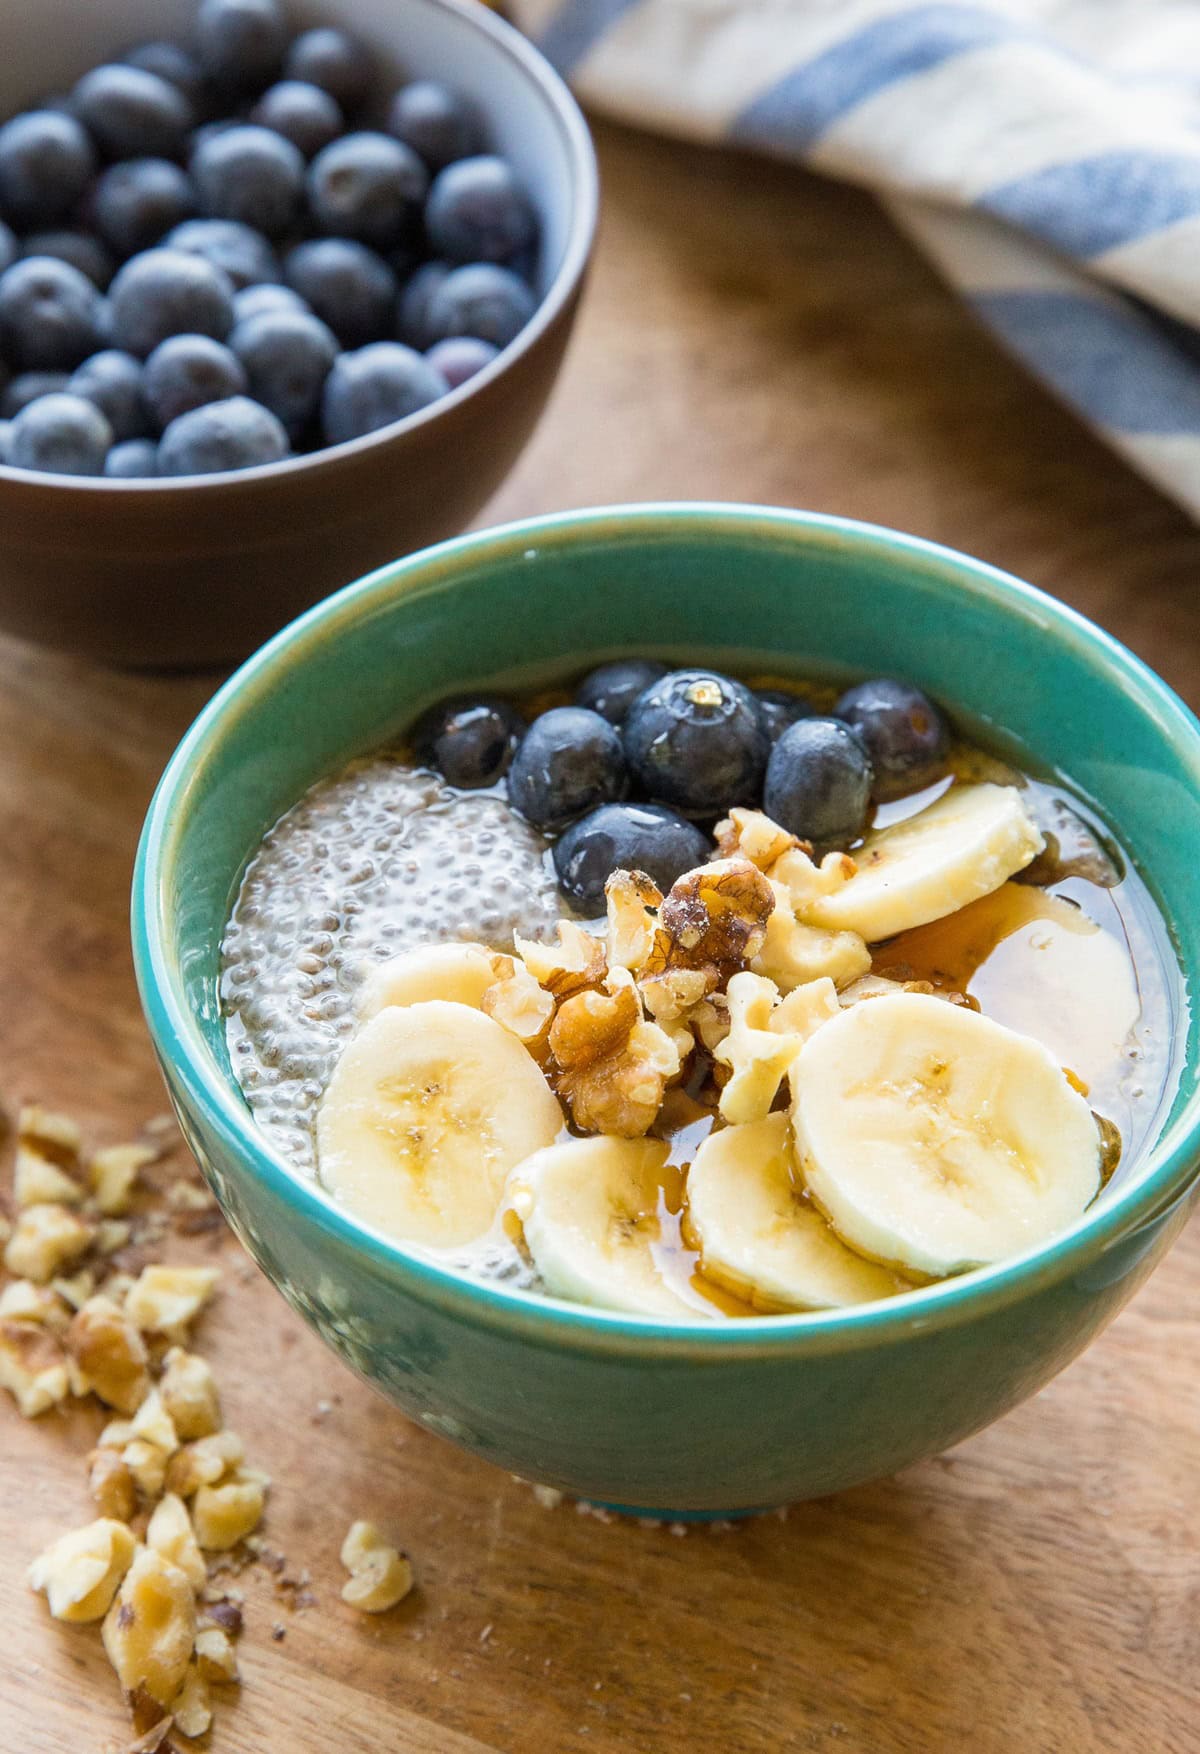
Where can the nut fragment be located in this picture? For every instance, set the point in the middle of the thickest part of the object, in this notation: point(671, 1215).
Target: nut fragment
point(111, 1484)
point(225, 1514)
point(756, 1055)
point(110, 1351)
point(165, 1299)
point(190, 1709)
point(80, 1572)
point(153, 1424)
point(33, 1367)
point(189, 1393)
point(715, 918)
point(170, 1533)
point(150, 1629)
point(76, 1290)
point(147, 1464)
point(215, 1654)
point(379, 1575)
point(57, 1135)
point(38, 1181)
point(794, 953)
point(749, 834)
point(44, 1240)
point(806, 881)
point(576, 961)
point(204, 1462)
point(612, 1068)
point(520, 1004)
point(631, 899)
point(23, 1301)
point(112, 1176)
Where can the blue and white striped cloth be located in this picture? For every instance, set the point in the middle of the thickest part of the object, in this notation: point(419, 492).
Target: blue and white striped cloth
point(1044, 153)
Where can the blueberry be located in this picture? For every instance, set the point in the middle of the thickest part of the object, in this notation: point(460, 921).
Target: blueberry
point(241, 42)
point(208, 131)
point(132, 114)
point(251, 174)
point(135, 202)
point(286, 356)
point(347, 285)
point(79, 248)
point(46, 163)
point(49, 315)
point(375, 386)
point(818, 783)
point(134, 459)
point(188, 371)
point(612, 689)
point(625, 837)
point(483, 300)
point(436, 122)
point(222, 435)
point(168, 61)
point(470, 740)
point(412, 318)
point(367, 186)
point(778, 709)
point(169, 292)
point(460, 358)
point(238, 250)
point(10, 248)
point(302, 113)
point(568, 762)
point(252, 301)
point(26, 388)
point(694, 739)
point(905, 735)
point(478, 212)
point(64, 434)
point(335, 61)
point(113, 381)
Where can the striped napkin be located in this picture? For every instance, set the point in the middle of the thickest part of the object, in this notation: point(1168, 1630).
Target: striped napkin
point(1044, 153)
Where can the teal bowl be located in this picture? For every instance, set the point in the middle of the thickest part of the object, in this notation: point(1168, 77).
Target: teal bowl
point(683, 1419)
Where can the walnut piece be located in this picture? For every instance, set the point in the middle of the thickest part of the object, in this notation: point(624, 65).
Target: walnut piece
point(215, 1654)
point(80, 1572)
point(111, 1484)
point(794, 953)
point(191, 1710)
point(57, 1135)
point(112, 1176)
point(631, 902)
point(23, 1301)
point(576, 961)
point(153, 1424)
point(756, 1055)
point(204, 1462)
point(38, 1181)
point(380, 1576)
point(150, 1630)
point(225, 1514)
point(520, 1004)
point(806, 881)
point(749, 834)
point(44, 1240)
point(165, 1300)
point(611, 1067)
point(33, 1367)
point(189, 1394)
point(111, 1353)
point(714, 919)
point(170, 1533)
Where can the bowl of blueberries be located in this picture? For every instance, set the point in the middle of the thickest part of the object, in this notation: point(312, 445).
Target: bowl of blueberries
point(283, 291)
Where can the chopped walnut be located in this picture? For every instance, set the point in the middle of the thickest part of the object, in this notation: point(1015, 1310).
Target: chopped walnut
point(170, 1533)
point(76, 1290)
point(710, 1021)
point(226, 1513)
point(153, 1424)
point(714, 919)
point(612, 1068)
point(23, 1301)
point(749, 834)
point(756, 1055)
point(204, 1462)
point(111, 1484)
point(675, 993)
point(380, 1576)
point(793, 953)
point(806, 881)
point(150, 1630)
point(112, 1176)
point(39, 1181)
point(575, 962)
point(79, 1574)
point(165, 1299)
point(520, 1004)
point(803, 1010)
point(111, 1353)
point(631, 901)
point(215, 1654)
point(189, 1393)
point(191, 1710)
point(147, 1465)
point(44, 1240)
point(58, 1135)
point(33, 1367)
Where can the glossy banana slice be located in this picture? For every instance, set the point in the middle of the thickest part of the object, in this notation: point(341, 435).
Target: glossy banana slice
point(760, 1238)
point(973, 839)
point(460, 973)
point(589, 1209)
point(429, 1107)
point(935, 1139)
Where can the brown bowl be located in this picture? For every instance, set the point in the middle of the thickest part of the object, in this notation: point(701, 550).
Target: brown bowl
point(200, 570)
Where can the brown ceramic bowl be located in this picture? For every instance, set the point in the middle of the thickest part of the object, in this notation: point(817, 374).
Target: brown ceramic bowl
point(199, 570)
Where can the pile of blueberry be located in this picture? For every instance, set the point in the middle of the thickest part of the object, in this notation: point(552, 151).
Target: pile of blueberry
point(635, 773)
point(216, 256)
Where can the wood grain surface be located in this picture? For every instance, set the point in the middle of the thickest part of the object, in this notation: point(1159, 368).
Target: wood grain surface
point(750, 334)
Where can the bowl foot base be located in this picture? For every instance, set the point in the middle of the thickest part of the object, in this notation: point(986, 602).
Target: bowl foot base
point(641, 1514)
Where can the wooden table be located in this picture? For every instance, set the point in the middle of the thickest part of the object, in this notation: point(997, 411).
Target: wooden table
point(750, 334)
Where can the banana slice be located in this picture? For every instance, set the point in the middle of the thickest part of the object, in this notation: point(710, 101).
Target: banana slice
point(963, 846)
point(460, 973)
point(937, 1140)
point(590, 1212)
point(428, 1109)
point(759, 1238)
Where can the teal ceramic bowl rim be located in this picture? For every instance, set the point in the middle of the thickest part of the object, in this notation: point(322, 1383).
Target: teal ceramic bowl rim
point(1166, 1178)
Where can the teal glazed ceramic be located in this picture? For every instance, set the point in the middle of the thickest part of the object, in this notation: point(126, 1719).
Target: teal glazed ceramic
point(691, 1418)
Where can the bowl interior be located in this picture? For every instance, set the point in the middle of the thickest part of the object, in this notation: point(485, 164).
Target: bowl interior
point(785, 592)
